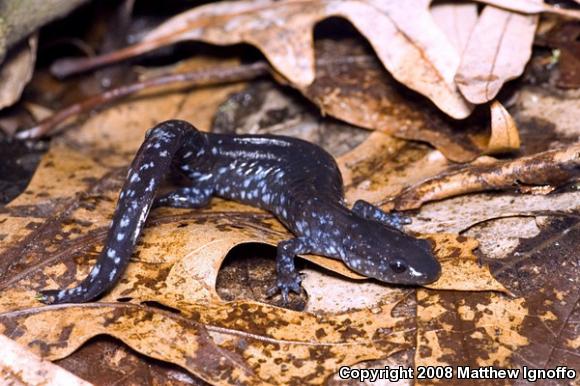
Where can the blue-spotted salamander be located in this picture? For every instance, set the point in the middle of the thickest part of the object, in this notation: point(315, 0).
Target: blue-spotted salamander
point(297, 181)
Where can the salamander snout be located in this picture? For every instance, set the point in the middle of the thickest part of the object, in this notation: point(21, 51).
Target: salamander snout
point(415, 264)
point(396, 259)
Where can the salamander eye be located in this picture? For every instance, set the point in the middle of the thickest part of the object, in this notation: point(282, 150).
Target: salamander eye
point(398, 265)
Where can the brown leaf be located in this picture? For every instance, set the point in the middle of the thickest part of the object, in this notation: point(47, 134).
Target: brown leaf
point(488, 329)
point(362, 93)
point(223, 344)
point(482, 330)
point(460, 269)
point(498, 49)
point(405, 38)
point(532, 7)
point(16, 72)
point(505, 136)
point(420, 43)
point(456, 20)
point(20, 366)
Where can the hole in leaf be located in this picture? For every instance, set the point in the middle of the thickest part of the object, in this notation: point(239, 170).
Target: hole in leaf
point(248, 271)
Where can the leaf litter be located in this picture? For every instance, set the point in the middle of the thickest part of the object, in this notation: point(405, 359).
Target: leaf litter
point(61, 220)
point(58, 229)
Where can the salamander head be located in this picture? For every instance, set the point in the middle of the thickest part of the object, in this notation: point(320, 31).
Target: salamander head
point(388, 255)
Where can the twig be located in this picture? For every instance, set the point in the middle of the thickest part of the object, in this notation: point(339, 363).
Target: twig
point(208, 77)
point(71, 66)
point(194, 78)
point(553, 167)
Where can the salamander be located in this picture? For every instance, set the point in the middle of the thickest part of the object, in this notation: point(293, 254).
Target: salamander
point(297, 181)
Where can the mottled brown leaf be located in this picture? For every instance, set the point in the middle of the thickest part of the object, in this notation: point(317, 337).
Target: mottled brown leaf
point(55, 230)
point(538, 329)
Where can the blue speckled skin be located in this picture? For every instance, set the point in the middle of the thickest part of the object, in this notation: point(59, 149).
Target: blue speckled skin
point(295, 180)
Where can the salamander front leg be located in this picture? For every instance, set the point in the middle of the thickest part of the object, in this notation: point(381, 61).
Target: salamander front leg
point(288, 279)
point(368, 211)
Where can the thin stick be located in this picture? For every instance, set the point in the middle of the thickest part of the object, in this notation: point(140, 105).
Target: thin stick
point(213, 76)
point(72, 66)
point(194, 78)
point(552, 167)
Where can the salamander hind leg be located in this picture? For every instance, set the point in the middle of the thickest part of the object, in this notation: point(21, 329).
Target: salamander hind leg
point(152, 162)
point(368, 211)
point(288, 279)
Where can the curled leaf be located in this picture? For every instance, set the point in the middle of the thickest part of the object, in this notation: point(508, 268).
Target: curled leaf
point(505, 136)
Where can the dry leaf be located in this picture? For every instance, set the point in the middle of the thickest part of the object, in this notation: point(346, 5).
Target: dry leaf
point(498, 49)
point(362, 93)
point(16, 72)
point(235, 343)
point(405, 38)
point(531, 6)
point(20, 366)
point(484, 329)
point(52, 233)
point(456, 20)
point(412, 52)
point(459, 266)
point(382, 166)
point(505, 136)
point(536, 330)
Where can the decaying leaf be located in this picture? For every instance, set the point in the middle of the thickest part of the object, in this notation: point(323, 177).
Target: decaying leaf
point(52, 233)
point(552, 167)
point(20, 366)
point(362, 93)
point(458, 266)
point(245, 343)
point(484, 329)
point(405, 38)
point(534, 330)
point(16, 72)
point(498, 49)
point(459, 214)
